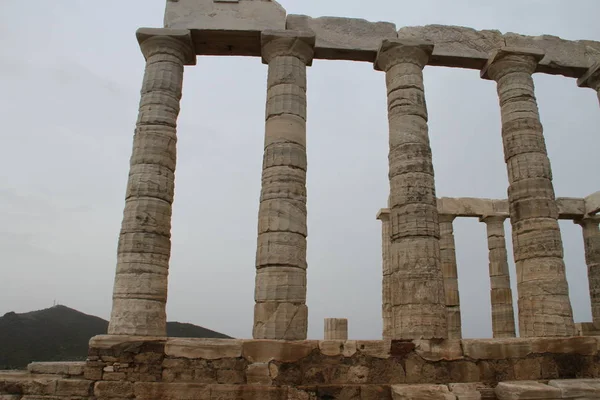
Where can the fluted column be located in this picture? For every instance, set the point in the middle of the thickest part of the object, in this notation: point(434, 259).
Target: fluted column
point(280, 311)
point(544, 306)
point(591, 79)
point(450, 273)
point(591, 240)
point(503, 315)
point(386, 294)
point(140, 288)
point(336, 329)
point(417, 285)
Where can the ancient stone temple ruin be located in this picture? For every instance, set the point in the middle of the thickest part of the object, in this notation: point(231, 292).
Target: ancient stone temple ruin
point(421, 354)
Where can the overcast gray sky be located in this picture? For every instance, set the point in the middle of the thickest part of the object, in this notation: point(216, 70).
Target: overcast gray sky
point(70, 74)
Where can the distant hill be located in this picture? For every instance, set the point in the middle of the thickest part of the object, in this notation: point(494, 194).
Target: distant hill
point(62, 334)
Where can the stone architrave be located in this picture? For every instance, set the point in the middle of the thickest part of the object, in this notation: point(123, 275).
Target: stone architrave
point(591, 79)
point(503, 315)
point(450, 272)
point(280, 311)
point(140, 287)
point(591, 240)
point(386, 294)
point(417, 284)
point(544, 306)
point(336, 329)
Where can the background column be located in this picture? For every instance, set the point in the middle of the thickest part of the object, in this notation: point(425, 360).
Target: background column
point(418, 301)
point(591, 240)
point(280, 311)
point(450, 272)
point(544, 306)
point(140, 288)
point(503, 315)
point(386, 293)
point(591, 79)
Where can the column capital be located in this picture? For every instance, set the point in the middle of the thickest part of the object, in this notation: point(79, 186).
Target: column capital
point(178, 41)
point(511, 59)
point(383, 214)
point(276, 43)
point(588, 221)
point(591, 79)
point(490, 219)
point(446, 218)
point(396, 51)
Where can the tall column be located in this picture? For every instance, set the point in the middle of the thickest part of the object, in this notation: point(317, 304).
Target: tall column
point(591, 79)
point(140, 288)
point(503, 315)
point(591, 240)
point(450, 273)
point(417, 284)
point(386, 294)
point(544, 306)
point(336, 329)
point(280, 311)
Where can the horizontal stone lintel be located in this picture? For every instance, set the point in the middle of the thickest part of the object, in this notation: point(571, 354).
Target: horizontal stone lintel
point(235, 31)
point(568, 208)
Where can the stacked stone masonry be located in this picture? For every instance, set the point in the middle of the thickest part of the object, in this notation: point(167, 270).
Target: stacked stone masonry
point(421, 355)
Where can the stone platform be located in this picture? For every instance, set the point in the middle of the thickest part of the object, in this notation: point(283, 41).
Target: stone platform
point(122, 367)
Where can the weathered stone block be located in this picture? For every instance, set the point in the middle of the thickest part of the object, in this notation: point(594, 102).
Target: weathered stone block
point(113, 389)
point(421, 392)
point(526, 390)
point(261, 351)
point(58, 368)
point(171, 391)
point(73, 387)
point(344, 38)
point(209, 349)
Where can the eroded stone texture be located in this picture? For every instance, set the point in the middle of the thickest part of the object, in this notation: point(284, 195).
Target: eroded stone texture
point(544, 306)
point(336, 329)
point(418, 302)
point(503, 316)
point(591, 78)
point(592, 204)
point(140, 288)
point(386, 292)
point(344, 38)
point(280, 311)
point(591, 240)
point(450, 272)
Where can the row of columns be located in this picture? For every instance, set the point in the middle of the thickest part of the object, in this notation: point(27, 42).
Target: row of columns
point(420, 280)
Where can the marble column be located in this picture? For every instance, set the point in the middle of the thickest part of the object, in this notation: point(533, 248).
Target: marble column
point(503, 315)
point(280, 311)
point(417, 284)
point(386, 294)
point(336, 329)
point(591, 240)
point(544, 306)
point(591, 79)
point(450, 273)
point(140, 287)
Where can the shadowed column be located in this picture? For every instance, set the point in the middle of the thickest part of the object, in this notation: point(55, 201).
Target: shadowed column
point(450, 272)
point(503, 315)
point(591, 240)
point(591, 79)
point(386, 294)
point(544, 306)
point(140, 288)
point(280, 311)
point(417, 285)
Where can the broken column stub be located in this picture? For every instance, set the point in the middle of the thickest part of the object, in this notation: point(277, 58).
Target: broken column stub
point(225, 27)
point(544, 305)
point(144, 248)
point(336, 329)
point(417, 284)
point(344, 38)
point(280, 311)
